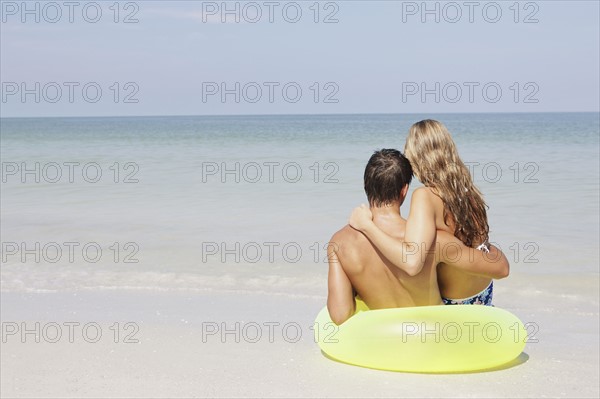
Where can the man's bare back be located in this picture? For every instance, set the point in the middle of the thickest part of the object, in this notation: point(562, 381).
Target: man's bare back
point(356, 266)
point(378, 283)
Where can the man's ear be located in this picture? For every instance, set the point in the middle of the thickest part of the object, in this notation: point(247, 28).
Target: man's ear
point(403, 193)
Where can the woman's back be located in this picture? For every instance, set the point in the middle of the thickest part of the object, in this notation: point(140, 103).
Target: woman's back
point(454, 283)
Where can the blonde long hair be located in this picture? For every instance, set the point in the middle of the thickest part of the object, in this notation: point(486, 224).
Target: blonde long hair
point(435, 162)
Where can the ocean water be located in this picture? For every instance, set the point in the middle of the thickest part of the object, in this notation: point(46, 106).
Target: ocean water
point(250, 202)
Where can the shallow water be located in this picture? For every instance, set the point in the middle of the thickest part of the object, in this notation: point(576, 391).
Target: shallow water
point(249, 202)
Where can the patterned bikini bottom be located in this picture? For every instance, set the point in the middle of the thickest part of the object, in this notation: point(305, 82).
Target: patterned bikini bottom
point(483, 298)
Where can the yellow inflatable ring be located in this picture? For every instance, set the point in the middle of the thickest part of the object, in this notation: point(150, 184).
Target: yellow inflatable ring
point(427, 339)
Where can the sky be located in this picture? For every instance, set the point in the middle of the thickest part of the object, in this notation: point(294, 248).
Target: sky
point(110, 58)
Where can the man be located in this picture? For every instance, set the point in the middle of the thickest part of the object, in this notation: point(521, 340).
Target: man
point(356, 266)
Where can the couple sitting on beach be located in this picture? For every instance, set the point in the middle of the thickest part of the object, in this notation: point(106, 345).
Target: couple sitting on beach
point(438, 255)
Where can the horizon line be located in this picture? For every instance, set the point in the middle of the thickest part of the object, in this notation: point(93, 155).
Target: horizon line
point(298, 114)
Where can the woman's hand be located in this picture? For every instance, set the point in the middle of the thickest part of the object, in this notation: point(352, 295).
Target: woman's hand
point(361, 218)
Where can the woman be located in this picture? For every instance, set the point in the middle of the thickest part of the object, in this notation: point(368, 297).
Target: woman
point(449, 202)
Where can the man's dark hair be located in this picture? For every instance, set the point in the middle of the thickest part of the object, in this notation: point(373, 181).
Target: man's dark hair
point(387, 172)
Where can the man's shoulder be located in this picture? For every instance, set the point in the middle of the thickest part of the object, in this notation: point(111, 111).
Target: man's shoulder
point(346, 236)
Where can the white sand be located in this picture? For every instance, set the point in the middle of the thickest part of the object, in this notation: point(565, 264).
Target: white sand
point(171, 359)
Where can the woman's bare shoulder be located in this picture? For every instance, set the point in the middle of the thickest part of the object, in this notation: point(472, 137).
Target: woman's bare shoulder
point(424, 193)
point(427, 197)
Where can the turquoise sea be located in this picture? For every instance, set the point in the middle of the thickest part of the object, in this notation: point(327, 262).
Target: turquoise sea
point(249, 202)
